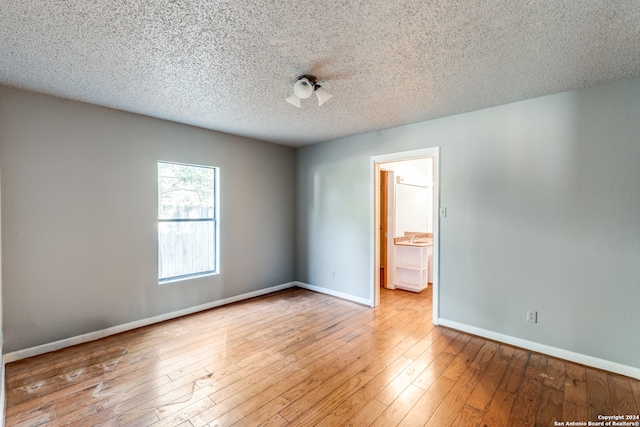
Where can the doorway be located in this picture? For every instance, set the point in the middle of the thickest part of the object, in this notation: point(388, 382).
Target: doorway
point(381, 257)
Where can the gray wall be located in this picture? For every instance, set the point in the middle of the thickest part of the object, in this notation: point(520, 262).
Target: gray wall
point(543, 202)
point(2, 400)
point(79, 209)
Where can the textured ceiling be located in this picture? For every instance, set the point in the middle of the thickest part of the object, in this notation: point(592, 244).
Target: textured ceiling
point(228, 65)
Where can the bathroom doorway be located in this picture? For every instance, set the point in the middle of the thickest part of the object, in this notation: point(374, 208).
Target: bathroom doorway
point(402, 171)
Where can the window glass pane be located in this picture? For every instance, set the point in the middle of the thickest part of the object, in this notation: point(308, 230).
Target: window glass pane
point(185, 191)
point(186, 248)
point(187, 224)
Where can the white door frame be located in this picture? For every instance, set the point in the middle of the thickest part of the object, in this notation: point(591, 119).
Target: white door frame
point(390, 275)
point(376, 161)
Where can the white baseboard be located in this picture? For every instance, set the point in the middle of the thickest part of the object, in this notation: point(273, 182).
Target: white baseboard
point(582, 359)
point(363, 301)
point(91, 336)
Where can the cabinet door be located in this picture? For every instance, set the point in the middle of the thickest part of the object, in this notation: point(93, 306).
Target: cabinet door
point(409, 256)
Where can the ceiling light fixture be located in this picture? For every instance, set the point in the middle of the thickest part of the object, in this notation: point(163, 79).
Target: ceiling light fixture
point(304, 87)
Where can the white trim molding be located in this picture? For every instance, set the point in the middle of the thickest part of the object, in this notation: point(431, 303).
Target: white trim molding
point(560, 353)
point(363, 301)
point(91, 336)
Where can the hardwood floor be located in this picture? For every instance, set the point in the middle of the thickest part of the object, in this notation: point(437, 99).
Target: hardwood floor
point(299, 358)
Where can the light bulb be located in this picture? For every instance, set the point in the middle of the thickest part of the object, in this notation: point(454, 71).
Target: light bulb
point(323, 95)
point(294, 100)
point(303, 88)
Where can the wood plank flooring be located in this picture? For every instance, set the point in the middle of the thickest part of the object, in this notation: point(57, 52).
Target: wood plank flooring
point(299, 358)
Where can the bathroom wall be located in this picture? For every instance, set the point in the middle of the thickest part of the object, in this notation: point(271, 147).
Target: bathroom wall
point(413, 204)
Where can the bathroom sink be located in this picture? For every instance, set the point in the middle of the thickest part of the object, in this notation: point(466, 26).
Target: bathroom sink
point(423, 240)
point(414, 243)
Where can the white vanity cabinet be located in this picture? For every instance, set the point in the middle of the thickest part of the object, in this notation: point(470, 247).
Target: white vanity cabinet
point(412, 266)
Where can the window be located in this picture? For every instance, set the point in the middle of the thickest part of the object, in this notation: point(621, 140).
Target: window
point(187, 221)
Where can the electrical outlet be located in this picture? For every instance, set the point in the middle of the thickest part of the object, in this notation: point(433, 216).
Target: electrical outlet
point(333, 274)
point(532, 316)
point(313, 271)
